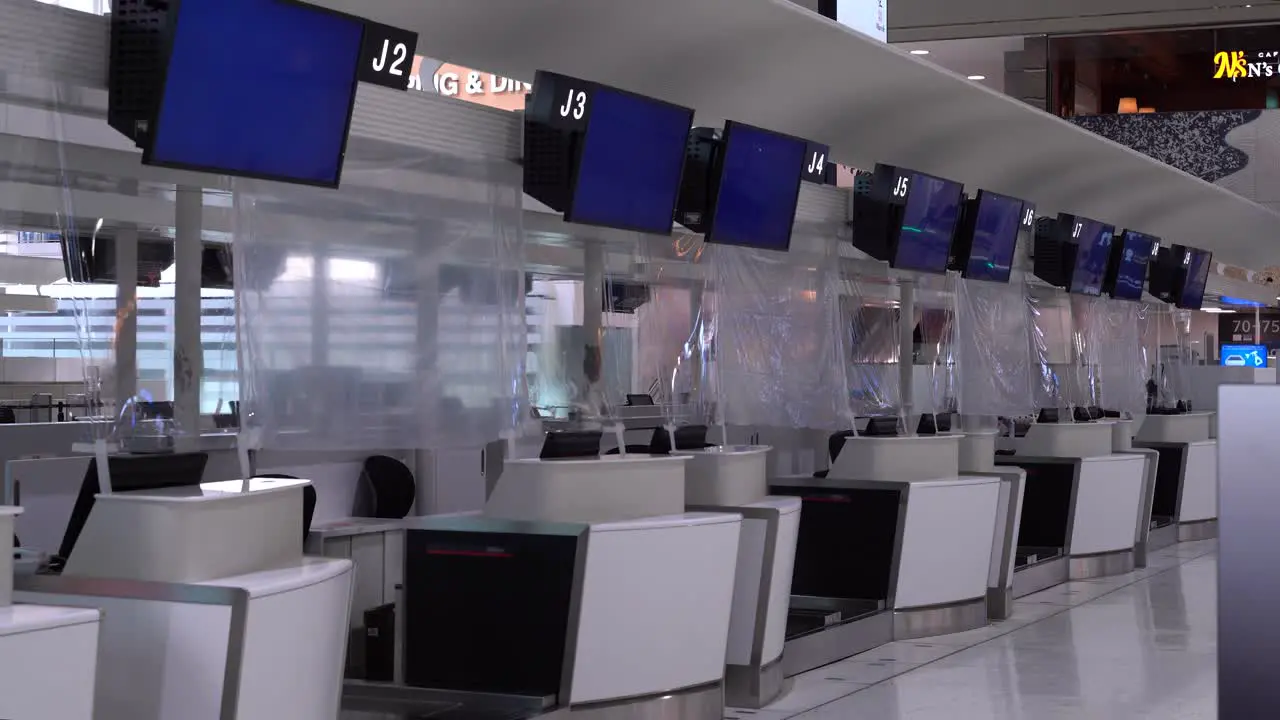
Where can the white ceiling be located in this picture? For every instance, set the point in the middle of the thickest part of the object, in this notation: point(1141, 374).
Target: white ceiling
point(775, 64)
point(973, 56)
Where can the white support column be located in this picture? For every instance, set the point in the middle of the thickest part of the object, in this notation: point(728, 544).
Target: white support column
point(906, 351)
point(593, 321)
point(126, 340)
point(188, 355)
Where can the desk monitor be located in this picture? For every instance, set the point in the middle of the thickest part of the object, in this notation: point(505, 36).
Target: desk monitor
point(688, 437)
point(571, 445)
point(128, 473)
point(160, 410)
point(933, 423)
point(882, 427)
point(639, 400)
point(1048, 415)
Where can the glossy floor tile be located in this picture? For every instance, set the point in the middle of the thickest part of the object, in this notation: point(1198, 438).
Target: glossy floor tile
point(1141, 645)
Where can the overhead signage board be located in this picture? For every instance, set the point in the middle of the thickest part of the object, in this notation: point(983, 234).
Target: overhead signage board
point(1236, 65)
point(1242, 328)
point(387, 55)
point(869, 17)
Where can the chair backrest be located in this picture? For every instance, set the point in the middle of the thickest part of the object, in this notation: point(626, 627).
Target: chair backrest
point(386, 489)
point(308, 502)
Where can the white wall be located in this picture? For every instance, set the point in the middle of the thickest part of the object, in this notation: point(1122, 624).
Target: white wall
point(911, 20)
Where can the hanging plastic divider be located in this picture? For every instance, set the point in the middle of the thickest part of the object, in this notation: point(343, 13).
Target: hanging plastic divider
point(73, 377)
point(996, 372)
point(1049, 317)
point(1086, 346)
point(776, 351)
point(870, 330)
point(934, 370)
point(1168, 344)
point(1115, 327)
point(389, 313)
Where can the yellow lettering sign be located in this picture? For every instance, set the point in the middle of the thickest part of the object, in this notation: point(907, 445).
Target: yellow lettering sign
point(1230, 65)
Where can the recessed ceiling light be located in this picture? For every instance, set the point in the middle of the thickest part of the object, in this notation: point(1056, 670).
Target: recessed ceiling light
point(977, 77)
point(919, 52)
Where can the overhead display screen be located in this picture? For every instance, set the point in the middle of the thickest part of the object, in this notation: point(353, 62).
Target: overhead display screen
point(1131, 273)
point(258, 88)
point(759, 188)
point(1197, 278)
point(928, 224)
point(1094, 241)
point(1253, 356)
point(629, 171)
point(995, 237)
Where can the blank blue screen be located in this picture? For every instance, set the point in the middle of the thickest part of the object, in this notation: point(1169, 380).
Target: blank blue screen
point(995, 235)
point(759, 187)
point(1131, 276)
point(928, 224)
point(1092, 257)
point(260, 88)
point(629, 172)
point(1197, 278)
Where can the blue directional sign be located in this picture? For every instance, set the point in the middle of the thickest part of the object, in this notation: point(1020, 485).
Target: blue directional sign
point(1254, 356)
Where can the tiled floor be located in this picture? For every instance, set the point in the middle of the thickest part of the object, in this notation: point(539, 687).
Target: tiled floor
point(1142, 645)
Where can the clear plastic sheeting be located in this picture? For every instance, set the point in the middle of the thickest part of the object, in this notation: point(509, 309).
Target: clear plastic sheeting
point(1051, 340)
point(870, 330)
point(935, 373)
point(996, 373)
point(1115, 331)
point(1087, 339)
point(389, 313)
point(58, 360)
point(776, 354)
point(1166, 338)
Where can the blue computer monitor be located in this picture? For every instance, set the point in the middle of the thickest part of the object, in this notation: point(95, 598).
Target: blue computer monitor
point(1130, 256)
point(1253, 356)
point(995, 237)
point(928, 224)
point(258, 88)
point(1093, 240)
point(759, 188)
point(1197, 278)
point(632, 156)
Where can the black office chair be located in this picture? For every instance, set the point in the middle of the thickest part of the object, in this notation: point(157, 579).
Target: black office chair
point(386, 489)
point(308, 502)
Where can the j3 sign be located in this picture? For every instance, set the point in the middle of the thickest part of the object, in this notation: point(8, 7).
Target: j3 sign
point(386, 56)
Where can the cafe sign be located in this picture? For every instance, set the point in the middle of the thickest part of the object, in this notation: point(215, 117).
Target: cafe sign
point(1237, 64)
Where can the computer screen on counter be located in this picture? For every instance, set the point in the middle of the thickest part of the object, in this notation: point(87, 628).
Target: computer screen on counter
point(995, 237)
point(629, 170)
point(1093, 240)
point(1192, 295)
point(258, 88)
point(759, 187)
point(928, 224)
point(1127, 272)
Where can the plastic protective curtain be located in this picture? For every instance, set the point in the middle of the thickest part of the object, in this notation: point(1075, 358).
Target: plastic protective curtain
point(43, 198)
point(643, 340)
point(1115, 354)
point(1167, 340)
point(389, 313)
point(871, 341)
point(996, 372)
point(1051, 337)
point(775, 356)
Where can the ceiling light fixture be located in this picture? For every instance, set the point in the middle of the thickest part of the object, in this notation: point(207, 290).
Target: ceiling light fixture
point(977, 77)
point(919, 52)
